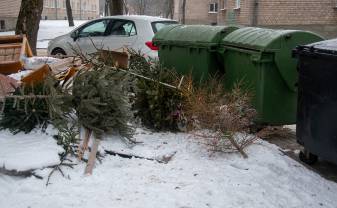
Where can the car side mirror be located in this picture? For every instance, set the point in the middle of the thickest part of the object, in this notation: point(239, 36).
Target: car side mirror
point(74, 35)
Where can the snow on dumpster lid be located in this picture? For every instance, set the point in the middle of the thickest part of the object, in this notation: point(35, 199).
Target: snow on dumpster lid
point(191, 35)
point(329, 45)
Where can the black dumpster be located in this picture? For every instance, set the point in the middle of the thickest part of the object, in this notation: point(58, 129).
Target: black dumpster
point(317, 101)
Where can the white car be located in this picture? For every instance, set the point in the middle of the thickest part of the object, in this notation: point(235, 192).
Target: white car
point(111, 33)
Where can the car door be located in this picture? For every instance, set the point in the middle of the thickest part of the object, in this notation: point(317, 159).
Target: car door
point(121, 33)
point(90, 37)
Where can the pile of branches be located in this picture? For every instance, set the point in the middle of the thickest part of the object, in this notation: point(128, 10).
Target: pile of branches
point(193, 107)
point(227, 115)
point(157, 98)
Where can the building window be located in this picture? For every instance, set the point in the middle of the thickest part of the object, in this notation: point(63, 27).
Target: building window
point(2, 24)
point(45, 17)
point(224, 5)
point(237, 4)
point(213, 7)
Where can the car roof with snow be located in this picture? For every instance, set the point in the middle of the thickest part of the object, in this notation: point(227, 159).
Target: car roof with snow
point(139, 17)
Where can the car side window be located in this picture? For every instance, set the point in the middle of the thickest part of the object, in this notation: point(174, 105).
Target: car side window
point(97, 28)
point(123, 28)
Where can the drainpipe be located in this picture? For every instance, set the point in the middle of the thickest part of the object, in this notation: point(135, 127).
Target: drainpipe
point(183, 11)
point(56, 9)
point(80, 9)
point(255, 13)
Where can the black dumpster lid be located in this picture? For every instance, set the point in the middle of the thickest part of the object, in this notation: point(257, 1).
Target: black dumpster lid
point(327, 45)
point(327, 48)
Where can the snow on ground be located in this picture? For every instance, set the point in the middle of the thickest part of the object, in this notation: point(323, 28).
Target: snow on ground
point(27, 151)
point(193, 178)
point(50, 29)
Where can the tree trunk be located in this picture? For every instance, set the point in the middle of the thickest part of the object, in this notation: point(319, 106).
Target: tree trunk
point(69, 14)
point(126, 9)
point(107, 8)
point(170, 9)
point(29, 20)
point(116, 7)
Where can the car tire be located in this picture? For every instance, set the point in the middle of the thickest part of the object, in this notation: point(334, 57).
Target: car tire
point(58, 53)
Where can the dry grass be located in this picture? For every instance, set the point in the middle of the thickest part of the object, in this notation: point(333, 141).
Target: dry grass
point(225, 114)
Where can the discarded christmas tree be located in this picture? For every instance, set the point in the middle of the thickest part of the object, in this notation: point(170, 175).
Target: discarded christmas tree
point(101, 102)
point(30, 106)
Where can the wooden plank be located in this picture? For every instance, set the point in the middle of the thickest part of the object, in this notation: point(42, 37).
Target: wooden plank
point(5, 46)
point(28, 49)
point(10, 67)
point(92, 157)
point(11, 39)
point(85, 143)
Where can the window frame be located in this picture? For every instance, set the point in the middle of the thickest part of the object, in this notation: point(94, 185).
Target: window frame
point(2, 24)
point(125, 20)
point(215, 8)
point(79, 30)
point(224, 5)
point(237, 4)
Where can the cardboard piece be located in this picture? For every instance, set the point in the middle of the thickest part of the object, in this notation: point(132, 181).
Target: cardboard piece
point(37, 75)
point(119, 58)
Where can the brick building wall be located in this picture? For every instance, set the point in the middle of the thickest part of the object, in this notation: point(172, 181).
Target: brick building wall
point(9, 11)
point(82, 9)
point(197, 12)
point(317, 16)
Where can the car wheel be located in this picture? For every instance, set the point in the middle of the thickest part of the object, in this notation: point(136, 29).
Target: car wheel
point(58, 53)
point(307, 157)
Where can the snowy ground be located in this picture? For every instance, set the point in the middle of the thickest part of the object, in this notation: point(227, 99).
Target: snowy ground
point(50, 29)
point(193, 178)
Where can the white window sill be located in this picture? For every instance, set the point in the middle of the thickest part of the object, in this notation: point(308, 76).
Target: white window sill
point(212, 12)
point(223, 9)
point(237, 8)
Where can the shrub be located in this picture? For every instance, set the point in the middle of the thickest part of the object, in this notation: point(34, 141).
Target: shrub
point(209, 106)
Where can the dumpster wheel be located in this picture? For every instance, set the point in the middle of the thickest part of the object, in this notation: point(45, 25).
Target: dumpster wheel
point(307, 157)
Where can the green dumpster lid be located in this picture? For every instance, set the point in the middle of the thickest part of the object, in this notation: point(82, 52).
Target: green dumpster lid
point(257, 38)
point(279, 42)
point(192, 35)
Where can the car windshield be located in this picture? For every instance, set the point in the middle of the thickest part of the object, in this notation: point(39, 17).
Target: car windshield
point(156, 26)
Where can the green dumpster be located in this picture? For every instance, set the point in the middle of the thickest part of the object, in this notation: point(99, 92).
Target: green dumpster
point(191, 48)
point(261, 60)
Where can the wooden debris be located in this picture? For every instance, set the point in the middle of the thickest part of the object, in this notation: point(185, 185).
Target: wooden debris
point(37, 75)
point(92, 157)
point(163, 159)
point(85, 143)
point(13, 49)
